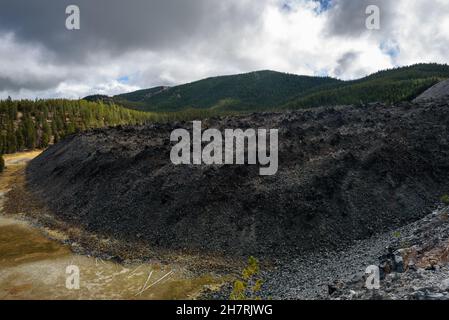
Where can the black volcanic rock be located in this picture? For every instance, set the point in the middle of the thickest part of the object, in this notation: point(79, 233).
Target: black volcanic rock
point(345, 173)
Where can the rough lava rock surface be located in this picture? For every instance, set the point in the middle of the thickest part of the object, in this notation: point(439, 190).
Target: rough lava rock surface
point(345, 173)
point(423, 274)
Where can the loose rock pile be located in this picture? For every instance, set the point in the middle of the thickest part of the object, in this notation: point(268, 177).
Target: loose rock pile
point(414, 267)
point(345, 173)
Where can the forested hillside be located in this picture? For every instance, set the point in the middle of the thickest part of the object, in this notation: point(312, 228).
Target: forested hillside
point(29, 124)
point(249, 91)
point(382, 90)
point(401, 84)
point(138, 97)
point(264, 90)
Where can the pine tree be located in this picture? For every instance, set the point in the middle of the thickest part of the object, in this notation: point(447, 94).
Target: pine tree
point(29, 124)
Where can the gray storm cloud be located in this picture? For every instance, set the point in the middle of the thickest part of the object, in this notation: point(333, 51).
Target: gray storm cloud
point(36, 83)
point(114, 28)
point(347, 17)
point(117, 27)
point(345, 62)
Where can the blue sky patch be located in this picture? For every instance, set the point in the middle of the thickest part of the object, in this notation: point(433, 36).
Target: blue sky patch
point(324, 5)
point(123, 79)
point(288, 5)
point(391, 48)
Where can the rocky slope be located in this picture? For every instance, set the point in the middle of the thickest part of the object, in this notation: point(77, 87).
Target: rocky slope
point(414, 265)
point(345, 173)
point(438, 92)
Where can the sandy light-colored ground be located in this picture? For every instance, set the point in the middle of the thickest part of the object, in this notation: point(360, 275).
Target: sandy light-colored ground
point(33, 266)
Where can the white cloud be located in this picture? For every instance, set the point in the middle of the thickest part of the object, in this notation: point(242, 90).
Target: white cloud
point(297, 39)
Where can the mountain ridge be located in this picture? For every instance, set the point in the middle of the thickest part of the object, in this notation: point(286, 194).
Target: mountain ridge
point(272, 90)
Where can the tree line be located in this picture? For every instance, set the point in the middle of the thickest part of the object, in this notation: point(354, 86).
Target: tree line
point(376, 90)
point(27, 124)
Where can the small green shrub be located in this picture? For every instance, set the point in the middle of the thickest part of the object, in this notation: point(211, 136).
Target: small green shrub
point(397, 234)
point(249, 285)
point(445, 199)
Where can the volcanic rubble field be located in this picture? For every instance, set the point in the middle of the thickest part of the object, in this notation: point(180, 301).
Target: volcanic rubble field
point(345, 173)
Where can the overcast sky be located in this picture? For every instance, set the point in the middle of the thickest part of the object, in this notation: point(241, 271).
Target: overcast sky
point(127, 45)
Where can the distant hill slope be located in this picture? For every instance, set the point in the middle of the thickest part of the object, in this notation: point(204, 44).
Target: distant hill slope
point(140, 96)
point(264, 90)
point(99, 98)
point(400, 84)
